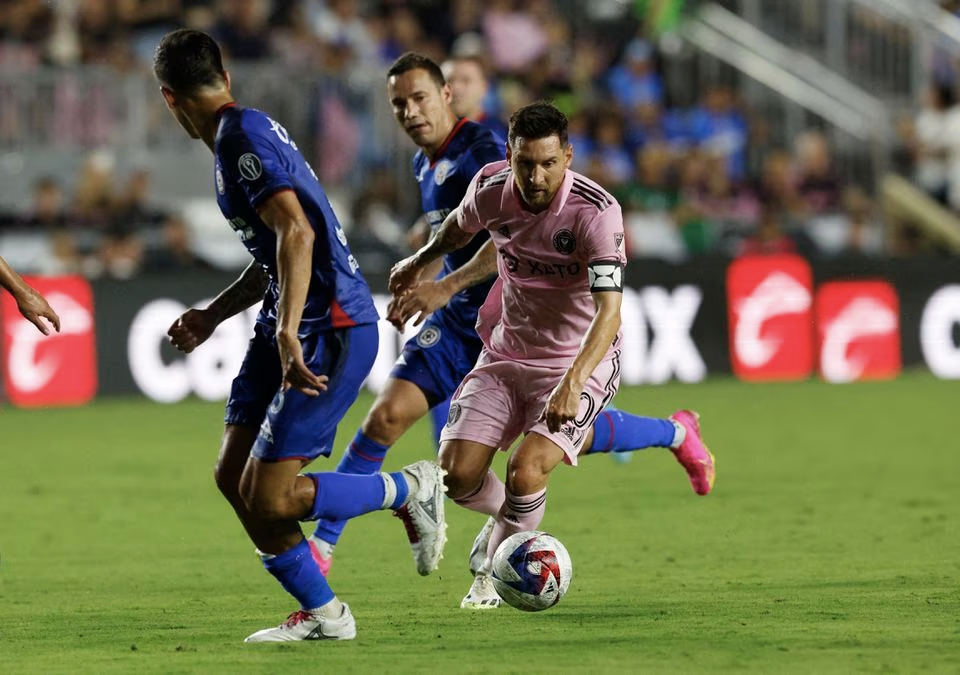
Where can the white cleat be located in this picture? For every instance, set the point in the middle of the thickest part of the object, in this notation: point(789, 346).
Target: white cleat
point(482, 594)
point(423, 515)
point(478, 553)
point(302, 625)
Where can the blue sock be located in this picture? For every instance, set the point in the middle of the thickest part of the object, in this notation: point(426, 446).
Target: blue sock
point(341, 496)
point(617, 431)
point(300, 577)
point(438, 415)
point(364, 456)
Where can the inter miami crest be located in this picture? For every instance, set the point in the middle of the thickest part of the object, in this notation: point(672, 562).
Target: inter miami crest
point(565, 242)
point(453, 414)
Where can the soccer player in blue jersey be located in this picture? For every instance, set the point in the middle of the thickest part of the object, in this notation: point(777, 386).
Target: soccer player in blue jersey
point(315, 341)
point(433, 363)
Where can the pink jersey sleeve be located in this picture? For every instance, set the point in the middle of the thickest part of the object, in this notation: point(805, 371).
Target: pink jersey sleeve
point(606, 250)
point(468, 213)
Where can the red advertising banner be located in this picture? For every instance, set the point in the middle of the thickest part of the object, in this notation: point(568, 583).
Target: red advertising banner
point(58, 369)
point(769, 305)
point(858, 329)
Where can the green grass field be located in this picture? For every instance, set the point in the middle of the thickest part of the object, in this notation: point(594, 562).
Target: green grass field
point(830, 545)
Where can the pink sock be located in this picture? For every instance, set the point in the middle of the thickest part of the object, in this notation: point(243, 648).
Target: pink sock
point(518, 514)
point(488, 498)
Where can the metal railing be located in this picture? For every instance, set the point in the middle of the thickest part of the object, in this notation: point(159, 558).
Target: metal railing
point(50, 118)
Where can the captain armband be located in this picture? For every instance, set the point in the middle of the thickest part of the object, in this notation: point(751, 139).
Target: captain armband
point(605, 275)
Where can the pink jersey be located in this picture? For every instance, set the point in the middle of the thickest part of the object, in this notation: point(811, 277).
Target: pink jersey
point(550, 262)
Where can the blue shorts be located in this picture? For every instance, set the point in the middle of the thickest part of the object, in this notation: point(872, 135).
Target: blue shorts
point(438, 357)
point(292, 424)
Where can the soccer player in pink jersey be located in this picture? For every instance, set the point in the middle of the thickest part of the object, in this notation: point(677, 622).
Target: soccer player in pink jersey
point(550, 327)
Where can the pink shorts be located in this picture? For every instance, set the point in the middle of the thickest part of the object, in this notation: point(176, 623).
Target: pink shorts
point(500, 400)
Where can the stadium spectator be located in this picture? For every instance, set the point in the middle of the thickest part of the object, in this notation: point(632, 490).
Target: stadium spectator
point(768, 238)
point(515, 38)
point(242, 29)
point(174, 251)
point(316, 332)
point(718, 126)
point(819, 185)
point(933, 126)
point(472, 96)
point(635, 81)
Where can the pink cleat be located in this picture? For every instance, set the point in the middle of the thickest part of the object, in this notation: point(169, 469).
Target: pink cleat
point(322, 553)
point(693, 453)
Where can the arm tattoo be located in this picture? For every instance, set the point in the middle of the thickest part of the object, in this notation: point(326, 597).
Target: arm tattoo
point(246, 291)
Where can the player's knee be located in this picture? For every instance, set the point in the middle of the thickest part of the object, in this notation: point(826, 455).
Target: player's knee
point(525, 478)
point(269, 505)
point(461, 480)
point(228, 482)
point(386, 422)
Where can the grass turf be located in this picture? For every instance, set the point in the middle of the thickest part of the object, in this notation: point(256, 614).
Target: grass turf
point(830, 545)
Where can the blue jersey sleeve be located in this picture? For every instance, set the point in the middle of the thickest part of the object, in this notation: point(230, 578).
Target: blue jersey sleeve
point(482, 154)
point(256, 165)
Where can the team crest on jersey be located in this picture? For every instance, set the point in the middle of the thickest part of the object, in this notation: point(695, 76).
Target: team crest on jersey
point(249, 166)
point(565, 242)
point(444, 169)
point(618, 239)
point(429, 336)
point(218, 176)
point(276, 405)
point(453, 414)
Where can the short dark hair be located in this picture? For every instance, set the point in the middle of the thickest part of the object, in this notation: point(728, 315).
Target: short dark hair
point(538, 120)
point(187, 61)
point(414, 61)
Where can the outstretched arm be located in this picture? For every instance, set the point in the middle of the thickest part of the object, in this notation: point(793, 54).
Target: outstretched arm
point(196, 325)
point(31, 304)
point(448, 237)
point(429, 296)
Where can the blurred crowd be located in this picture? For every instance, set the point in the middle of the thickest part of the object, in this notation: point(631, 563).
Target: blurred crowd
point(694, 178)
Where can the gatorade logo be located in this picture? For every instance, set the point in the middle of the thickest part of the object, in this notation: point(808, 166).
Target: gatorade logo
point(58, 369)
point(770, 300)
point(858, 324)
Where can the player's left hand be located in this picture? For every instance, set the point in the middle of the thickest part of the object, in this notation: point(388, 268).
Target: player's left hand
point(296, 375)
point(562, 405)
point(420, 302)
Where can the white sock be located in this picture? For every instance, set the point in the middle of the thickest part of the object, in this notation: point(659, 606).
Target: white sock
point(323, 547)
point(679, 434)
point(331, 610)
point(389, 490)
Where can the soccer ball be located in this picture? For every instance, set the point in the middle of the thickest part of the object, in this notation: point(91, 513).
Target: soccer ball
point(531, 570)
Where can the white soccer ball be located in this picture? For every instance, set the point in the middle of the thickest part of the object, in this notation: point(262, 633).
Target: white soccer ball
point(531, 570)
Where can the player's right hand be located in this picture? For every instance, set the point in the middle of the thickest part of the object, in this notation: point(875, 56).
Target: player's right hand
point(296, 374)
point(420, 302)
point(33, 307)
point(404, 276)
point(192, 329)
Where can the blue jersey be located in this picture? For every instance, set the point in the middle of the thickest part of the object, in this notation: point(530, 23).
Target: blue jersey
point(443, 183)
point(255, 158)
